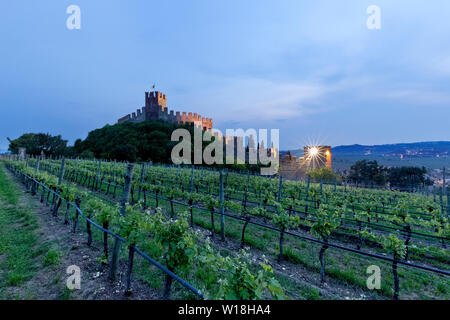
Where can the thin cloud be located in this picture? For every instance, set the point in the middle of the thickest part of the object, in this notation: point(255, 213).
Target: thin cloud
point(253, 99)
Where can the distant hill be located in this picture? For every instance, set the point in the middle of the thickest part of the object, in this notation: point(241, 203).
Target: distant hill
point(417, 149)
point(433, 155)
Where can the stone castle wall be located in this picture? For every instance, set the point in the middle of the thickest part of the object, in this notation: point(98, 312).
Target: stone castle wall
point(292, 168)
point(156, 109)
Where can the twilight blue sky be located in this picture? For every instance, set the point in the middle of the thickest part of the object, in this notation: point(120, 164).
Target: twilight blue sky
point(310, 68)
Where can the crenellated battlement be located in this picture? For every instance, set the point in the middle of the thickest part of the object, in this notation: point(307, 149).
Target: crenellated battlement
point(156, 98)
point(125, 118)
point(156, 109)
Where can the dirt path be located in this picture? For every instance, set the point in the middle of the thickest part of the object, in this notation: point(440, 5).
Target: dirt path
point(55, 250)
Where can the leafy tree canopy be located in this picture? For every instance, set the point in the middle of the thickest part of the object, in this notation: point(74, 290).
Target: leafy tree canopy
point(35, 143)
point(128, 141)
point(369, 172)
point(323, 173)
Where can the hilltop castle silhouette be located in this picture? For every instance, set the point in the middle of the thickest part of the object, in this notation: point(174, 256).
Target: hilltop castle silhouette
point(156, 109)
point(290, 167)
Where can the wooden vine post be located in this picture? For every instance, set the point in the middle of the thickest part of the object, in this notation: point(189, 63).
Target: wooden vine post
point(441, 201)
point(141, 181)
point(61, 172)
point(97, 176)
point(448, 201)
point(307, 195)
point(114, 171)
point(222, 208)
point(57, 202)
point(191, 185)
point(396, 280)
point(307, 187)
point(280, 187)
point(123, 203)
point(75, 221)
point(36, 169)
point(128, 290)
point(445, 189)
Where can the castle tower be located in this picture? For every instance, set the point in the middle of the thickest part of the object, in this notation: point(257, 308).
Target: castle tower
point(156, 98)
point(156, 109)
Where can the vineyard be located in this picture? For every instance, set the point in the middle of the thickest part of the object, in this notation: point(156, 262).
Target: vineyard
point(194, 233)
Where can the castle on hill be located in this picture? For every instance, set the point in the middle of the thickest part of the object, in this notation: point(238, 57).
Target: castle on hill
point(156, 109)
point(291, 167)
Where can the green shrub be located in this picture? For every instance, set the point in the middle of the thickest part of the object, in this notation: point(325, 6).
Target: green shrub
point(51, 258)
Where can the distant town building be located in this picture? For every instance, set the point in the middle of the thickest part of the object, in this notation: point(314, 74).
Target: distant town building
point(314, 157)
